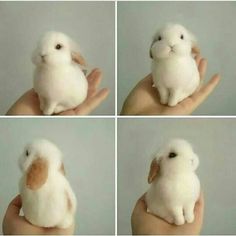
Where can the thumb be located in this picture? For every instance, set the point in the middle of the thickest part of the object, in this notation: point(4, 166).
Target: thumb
point(14, 207)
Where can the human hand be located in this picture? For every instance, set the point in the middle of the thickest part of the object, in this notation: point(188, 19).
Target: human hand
point(28, 103)
point(145, 99)
point(13, 223)
point(146, 223)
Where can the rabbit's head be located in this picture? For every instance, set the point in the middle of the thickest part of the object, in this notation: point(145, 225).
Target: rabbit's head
point(38, 159)
point(173, 40)
point(56, 48)
point(177, 156)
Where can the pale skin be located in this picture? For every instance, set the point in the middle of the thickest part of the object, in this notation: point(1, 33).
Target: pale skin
point(28, 103)
point(13, 223)
point(144, 223)
point(144, 99)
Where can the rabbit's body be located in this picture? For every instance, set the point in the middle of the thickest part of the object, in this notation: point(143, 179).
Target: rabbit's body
point(174, 195)
point(59, 82)
point(175, 78)
point(48, 206)
point(47, 197)
point(68, 87)
point(175, 187)
point(174, 70)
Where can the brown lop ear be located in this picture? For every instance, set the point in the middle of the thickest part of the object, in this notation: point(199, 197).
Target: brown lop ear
point(195, 50)
point(78, 58)
point(154, 168)
point(37, 174)
point(62, 169)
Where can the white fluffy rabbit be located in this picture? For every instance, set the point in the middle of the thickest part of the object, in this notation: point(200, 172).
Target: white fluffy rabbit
point(174, 70)
point(47, 197)
point(58, 80)
point(175, 187)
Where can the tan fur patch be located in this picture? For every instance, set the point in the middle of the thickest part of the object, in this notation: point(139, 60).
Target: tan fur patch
point(154, 168)
point(78, 58)
point(69, 203)
point(62, 169)
point(37, 174)
point(195, 50)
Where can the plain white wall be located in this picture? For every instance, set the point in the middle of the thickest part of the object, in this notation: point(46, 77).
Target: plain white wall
point(91, 24)
point(213, 140)
point(211, 22)
point(88, 146)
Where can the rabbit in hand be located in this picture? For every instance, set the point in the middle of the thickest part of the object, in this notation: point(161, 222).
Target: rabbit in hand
point(47, 197)
point(174, 70)
point(175, 188)
point(58, 80)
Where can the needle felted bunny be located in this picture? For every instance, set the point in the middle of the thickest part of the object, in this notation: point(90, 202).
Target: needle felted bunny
point(47, 197)
point(175, 187)
point(58, 80)
point(174, 70)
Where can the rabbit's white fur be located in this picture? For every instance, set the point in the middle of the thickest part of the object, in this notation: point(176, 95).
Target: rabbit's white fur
point(53, 204)
point(174, 70)
point(176, 188)
point(58, 80)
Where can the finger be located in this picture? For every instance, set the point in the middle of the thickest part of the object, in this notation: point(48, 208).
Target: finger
point(14, 207)
point(199, 210)
point(197, 59)
point(199, 206)
point(92, 102)
point(189, 104)
point(95, 73)
point(202, 68)
point(94, 84)
point(205, 91)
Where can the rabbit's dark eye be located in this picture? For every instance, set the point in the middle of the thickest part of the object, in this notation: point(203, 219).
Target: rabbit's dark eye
point(27, 153)
point(58, 46)
point(182, 36)
point(159, 38)
point(172, 155)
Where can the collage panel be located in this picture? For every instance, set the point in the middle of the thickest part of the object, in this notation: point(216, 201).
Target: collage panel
point(87, 147)
point(52, 47)
point(140, 141)
point(155, 66)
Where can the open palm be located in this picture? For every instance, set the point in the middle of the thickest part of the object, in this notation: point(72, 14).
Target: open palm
point(144, 99)
point(28, 103)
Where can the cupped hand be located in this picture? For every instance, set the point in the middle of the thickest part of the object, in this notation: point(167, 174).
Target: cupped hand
point(144, 223)
point(28, 103)
point(144, 99)
point(13, 223)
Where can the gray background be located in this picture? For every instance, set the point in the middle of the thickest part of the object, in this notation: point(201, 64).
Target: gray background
point(211, 22)
point(214, 142)
point(88, 147)
point(91, 24)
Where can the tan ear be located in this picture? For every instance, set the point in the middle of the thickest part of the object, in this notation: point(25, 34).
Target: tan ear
point(62, 169)
point(78, 58)
point(195, 50)
point(154, 168)
point(37, 174)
